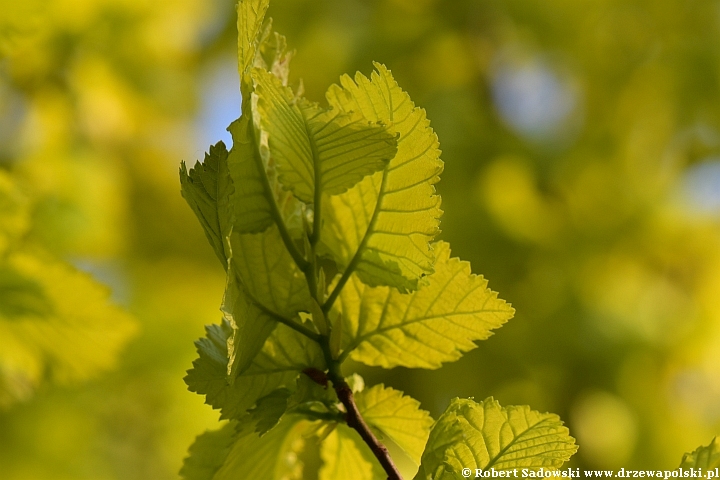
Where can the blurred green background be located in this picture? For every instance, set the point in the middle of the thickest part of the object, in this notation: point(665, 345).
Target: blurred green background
point(581, 142)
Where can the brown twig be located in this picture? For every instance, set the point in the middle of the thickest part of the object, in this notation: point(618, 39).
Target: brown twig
point(353, 418)
point(355, 421)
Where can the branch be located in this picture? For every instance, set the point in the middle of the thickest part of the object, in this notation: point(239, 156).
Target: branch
point(353, 418)
point(355, 421)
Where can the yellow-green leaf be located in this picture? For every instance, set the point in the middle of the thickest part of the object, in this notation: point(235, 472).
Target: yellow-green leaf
point(250, 199)
point(268, 273)
point(251, 14)
point(269, 410)
point(384, 225)
point(251, 327)
point(423, 329)
point(207, 189)
point(55, 322)
point(485, 435)
point(284, 355)
point(346, 457)
point(274, 56)
point(705, 457)
point(397, 417)
point(306, 141)
point(236, 451)
point(208, 453)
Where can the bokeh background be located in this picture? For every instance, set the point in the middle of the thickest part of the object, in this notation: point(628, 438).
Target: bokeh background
point(581, 142)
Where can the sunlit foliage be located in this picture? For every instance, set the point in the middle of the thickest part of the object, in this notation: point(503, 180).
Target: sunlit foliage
point(580, 142)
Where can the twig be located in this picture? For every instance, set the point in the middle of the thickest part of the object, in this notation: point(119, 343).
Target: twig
point(354, 420)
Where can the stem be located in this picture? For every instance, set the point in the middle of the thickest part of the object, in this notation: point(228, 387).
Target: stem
point(294, 325)
point(353, 417)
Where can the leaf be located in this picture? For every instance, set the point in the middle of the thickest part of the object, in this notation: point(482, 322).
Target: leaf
point(270, 409)
point(435, 324)
point(55, 322)
point(346, 457)
point(274, 56)
point(250, 199)
point(485, 435)
point(273, 456)
point(306, 141)
point(706, 457)
point(251, 14)
point(384, 225)
point(284, 355)
point(208, 453)
point(397, 417)
point(207, 189)
point(268, 273)
point(251, 327)
point(235, 451)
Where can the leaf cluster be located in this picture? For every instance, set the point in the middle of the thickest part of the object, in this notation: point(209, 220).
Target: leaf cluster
point(56, 323)
point(324, 220)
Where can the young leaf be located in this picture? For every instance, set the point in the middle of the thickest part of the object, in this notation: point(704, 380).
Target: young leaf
point(383, 226)
point(236, 451)
point(706, 457)
point(307, 141)
point(285, 354)
point(268, 273)
point(55, 322)
point(274, 56)
point(397, 417)
point(346, 457)
point(208, 453)
point(435, 324)
point(318, 318)
point(269, 409)
point(251, 327)
point(250, 199)
point(251, 14)
point(207, 189)
point(485, 435)
point(271, 457)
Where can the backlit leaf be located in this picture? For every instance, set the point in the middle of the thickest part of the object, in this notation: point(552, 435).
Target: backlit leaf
point(273, 456)
point(435, 324)
point(208, 453)
point(250, 203)
point(397, 417)
point(251, 327)
point(284, 355)
point(207, 189)
point(270, 409)
point(306, 141)
point(268, 273)
point(706, 457)
point(251, 14)
point(388, 219)
point(55, 322)
point(485, 435)
point(274, 56)
point(235, 451)
point(345, 456)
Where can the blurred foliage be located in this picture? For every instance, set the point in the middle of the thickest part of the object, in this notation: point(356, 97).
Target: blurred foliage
point(581, 144)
